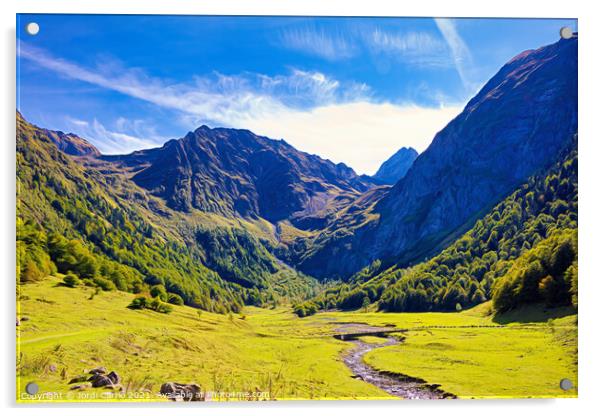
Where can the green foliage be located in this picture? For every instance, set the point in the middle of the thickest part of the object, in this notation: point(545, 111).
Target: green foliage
point(158, 291)
point(158, 305)
point(545, 273)
point(236, 255)
point(33, 261)
point(305, 309)
point(365, 303)
point(71, 280)
point(175, 299)
point(154, 304)
point(139, 302)
point(104, 284)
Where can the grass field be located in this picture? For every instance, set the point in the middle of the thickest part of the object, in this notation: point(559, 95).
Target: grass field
point(276, 355)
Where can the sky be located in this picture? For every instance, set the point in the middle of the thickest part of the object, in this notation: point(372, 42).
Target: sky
point(352, 90)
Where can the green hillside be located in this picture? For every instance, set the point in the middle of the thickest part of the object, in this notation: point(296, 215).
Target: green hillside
point(112, 234)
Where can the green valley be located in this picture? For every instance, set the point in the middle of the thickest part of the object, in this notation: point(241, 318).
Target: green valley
point(273, 353)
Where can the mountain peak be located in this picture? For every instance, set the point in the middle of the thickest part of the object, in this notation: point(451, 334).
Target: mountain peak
point(236, 172)
point(516, 126)
point(396, 167)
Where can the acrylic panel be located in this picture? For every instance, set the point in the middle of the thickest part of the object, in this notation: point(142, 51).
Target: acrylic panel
point(233, 208)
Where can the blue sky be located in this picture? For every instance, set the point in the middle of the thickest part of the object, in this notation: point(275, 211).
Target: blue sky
point(353, 90)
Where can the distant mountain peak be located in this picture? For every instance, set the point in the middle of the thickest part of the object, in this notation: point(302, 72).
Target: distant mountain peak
point(396, 167)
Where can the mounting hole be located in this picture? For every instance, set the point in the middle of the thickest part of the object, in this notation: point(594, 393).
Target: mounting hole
point(566, 32)
point(32, 388)
point(32, 28)
point(566, 384)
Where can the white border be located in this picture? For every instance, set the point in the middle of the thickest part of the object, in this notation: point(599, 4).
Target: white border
point(589, 175)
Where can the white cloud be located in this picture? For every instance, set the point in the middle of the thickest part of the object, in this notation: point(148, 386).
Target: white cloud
point(460, 52)
point(361, 134)
point(310, 110)
point(416, 48)
point(330, 46)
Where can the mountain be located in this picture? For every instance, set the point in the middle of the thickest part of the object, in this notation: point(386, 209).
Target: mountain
point(217, 216)
point(514, 127)
point(522, 251)
point(237, 173)
point(84, 216)
point(67, 142)
point(396, 167)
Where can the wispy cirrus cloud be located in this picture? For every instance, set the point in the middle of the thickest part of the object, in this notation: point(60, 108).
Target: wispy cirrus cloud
point(218, 98)
point(127, 136)
point(416, 48)
point(317, 42)
point(312, 111)
point(460, 53)
point(443, 49)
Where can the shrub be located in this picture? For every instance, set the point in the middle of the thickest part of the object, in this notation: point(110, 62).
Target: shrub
point(71, 280)
point(140, 302)
point(175, 299)
point(104, 284)
point(31, 273)
point(158, 291)
point(158, 305)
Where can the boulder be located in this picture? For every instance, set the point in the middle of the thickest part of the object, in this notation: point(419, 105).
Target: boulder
point(114, 377)
point(100, 380)
point(182, 392)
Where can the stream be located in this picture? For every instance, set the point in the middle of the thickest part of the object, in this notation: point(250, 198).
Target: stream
point(394, 384)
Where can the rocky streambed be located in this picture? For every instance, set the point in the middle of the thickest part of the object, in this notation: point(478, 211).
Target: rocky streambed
point(395, 384)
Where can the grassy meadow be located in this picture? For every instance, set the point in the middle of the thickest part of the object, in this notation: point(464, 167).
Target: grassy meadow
point(271, 354)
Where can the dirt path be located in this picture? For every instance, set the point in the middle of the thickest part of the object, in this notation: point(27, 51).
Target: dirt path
point(397, 385)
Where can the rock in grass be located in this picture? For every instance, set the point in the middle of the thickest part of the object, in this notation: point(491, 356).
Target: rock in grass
point(182, 392)
point(114, 377)
point(100, 380)
point(79, 379)
point(83, 386)
point(103, 380)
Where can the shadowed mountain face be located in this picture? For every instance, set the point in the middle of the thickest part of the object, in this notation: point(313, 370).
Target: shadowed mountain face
point(235, 172)
point(396, 167)
point(515, 126)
